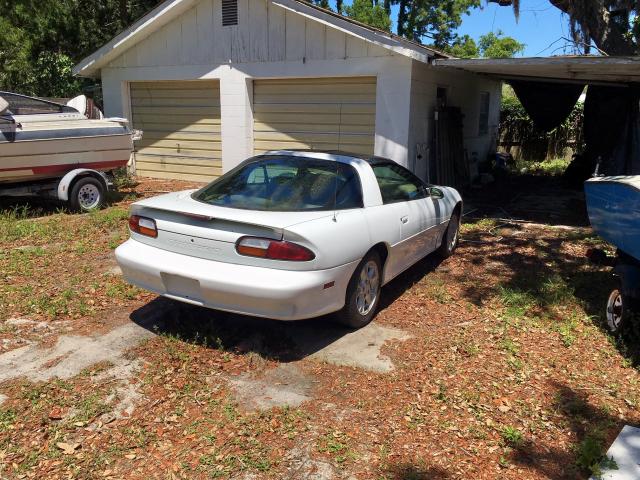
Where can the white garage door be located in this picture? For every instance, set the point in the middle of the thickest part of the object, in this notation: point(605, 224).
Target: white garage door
point(318, 113)
point(181, 124)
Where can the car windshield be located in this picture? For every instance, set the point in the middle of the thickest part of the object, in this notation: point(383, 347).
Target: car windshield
point(21, 105)
point(284, 183)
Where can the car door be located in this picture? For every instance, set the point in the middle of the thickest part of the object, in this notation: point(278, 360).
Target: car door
point(405, 196)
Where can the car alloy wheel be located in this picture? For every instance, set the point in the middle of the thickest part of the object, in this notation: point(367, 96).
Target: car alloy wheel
point(615, 311)
point(368, 286)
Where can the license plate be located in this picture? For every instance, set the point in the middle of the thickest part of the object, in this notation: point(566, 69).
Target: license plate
point(184, 287)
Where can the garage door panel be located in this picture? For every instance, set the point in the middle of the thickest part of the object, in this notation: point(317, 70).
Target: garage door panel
point(180, 160)
point(181, 125)
point(173, 120)
point(178, 148)
point(315, 89)
point(320, 81)
point(184, 153)
point(173, 102)
point(201, 112)
point(204, 178)
point(179, 128)
point(140, 93)
point(312, 98)
point(179, 168)
point(325, 114)
point(184, 136)
point(310, 128)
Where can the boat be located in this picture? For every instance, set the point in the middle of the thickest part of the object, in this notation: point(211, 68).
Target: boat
point(41, 140)
point(613, 204)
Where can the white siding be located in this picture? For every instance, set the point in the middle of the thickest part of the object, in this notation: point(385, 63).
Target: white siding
point(463, 91)
point(265, 32)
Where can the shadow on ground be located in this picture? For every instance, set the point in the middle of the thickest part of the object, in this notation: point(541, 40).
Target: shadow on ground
point(279, 340)
point(414, 472)
point(592, 429)
point(540, 199)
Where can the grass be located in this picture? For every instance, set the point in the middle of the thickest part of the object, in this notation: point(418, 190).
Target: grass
point(553, 167)
point(512, 436)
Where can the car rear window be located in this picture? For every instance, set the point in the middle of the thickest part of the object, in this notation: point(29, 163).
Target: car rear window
point(282, 183)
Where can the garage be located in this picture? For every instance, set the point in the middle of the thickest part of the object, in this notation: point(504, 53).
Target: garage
point(318, 113)
point(181, 125)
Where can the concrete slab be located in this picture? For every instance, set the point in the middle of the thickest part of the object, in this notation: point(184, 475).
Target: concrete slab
point(625, 450)
point(285, 385)
point(359, 348)
point(71, 354)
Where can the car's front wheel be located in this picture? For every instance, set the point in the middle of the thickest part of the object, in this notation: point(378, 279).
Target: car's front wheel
point(451, 236)
point(363, 292)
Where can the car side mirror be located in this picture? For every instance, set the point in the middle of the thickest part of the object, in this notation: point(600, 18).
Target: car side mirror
point(435, 193)
point(4, 106)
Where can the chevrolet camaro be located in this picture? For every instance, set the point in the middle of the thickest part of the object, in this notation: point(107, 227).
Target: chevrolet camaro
point(291, 235)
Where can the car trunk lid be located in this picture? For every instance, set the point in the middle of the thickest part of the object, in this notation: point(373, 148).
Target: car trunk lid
point(197, 229)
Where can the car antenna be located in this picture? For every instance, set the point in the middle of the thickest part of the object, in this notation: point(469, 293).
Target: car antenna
point(335, 194)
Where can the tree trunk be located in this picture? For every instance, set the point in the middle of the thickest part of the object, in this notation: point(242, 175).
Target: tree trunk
point(402, 17)
point(339, 6)
point(411, 21)
point(387, 6)
point(593, 21)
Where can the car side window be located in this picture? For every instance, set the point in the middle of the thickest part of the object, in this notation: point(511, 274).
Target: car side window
point(397, 184)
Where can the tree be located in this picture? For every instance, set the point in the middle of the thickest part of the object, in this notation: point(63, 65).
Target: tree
point(612, 25)
point(436, 20)
point(494, 45)
point(366, 11)
point(490, 45)
point(40, 40)
point(464, 47)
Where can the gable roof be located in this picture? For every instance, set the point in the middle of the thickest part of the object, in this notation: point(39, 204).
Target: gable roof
point(171, 9)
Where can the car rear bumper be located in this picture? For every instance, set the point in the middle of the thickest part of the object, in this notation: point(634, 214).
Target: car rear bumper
point(249, 290)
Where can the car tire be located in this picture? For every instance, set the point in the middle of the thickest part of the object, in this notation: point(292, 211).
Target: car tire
point(363, 293)
point(87, 194)
point(622, 310)
point(451, 236)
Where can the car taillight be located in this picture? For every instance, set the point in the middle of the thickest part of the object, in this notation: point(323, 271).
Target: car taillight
point(273, 249)
point(143, 226)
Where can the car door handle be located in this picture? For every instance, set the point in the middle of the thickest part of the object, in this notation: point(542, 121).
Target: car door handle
point(404, 219)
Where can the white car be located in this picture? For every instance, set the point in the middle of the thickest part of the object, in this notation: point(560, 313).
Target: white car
point(290, 235)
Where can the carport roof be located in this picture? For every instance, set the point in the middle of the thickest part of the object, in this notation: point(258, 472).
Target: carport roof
point(574, 69)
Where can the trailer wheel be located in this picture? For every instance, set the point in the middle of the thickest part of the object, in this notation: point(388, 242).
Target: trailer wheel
point(621, 311)
point(88, 193)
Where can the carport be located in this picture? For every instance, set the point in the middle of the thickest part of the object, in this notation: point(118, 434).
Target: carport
point(591, 70)
point(549, 88)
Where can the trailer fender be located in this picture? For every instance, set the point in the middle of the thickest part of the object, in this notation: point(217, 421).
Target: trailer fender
point(65, 183)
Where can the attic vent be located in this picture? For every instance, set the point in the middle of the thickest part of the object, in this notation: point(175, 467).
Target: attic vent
point(229, 12)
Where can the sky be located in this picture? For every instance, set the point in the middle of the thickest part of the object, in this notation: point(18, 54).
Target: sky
point(539, 26)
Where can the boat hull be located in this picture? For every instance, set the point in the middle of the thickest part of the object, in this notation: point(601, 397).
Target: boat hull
point(35, 148)
point(613, 204)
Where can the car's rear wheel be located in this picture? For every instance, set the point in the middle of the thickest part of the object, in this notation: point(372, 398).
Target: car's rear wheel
point(87, 194)
point(363, 293)
point(451, 236)
point(621, 310)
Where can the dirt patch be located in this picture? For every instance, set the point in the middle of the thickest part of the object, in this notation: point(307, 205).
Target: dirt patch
point(283, 386)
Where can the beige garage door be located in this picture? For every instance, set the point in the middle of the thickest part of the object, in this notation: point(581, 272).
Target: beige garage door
point(181, 124)
point(318, 113)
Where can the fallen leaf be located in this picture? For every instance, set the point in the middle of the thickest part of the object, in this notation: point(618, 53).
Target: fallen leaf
point(68, 448)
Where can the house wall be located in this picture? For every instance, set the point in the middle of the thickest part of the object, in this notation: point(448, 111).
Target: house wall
point(463, 91)
point(269, 42)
